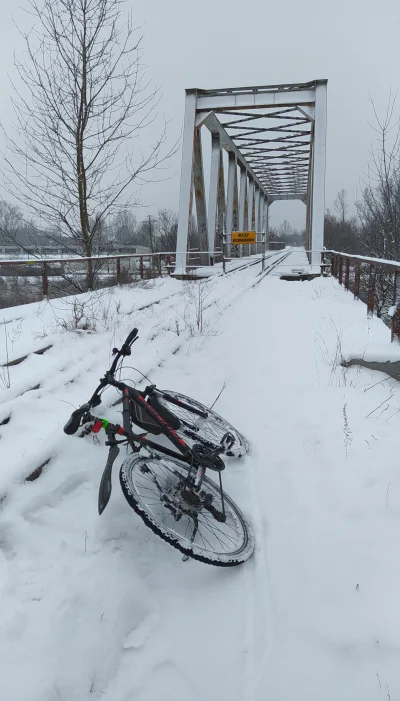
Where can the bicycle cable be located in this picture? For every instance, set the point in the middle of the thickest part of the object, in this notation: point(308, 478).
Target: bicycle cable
point(129, 367)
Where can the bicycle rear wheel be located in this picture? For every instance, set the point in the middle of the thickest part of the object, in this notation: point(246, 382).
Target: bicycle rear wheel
point(209, 430)
point(156, 487)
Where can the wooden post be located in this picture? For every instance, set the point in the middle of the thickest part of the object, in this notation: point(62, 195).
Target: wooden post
point(340, 276)
point(45, 281)
point(357, 277)
point(118, 271)
point(371, 290)
point(141, 267)
point(159, 265)
point(347, 274)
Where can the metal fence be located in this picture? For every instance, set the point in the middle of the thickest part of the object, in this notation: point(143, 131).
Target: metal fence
point(25, 281)
point(196, 258)
point(376, 282)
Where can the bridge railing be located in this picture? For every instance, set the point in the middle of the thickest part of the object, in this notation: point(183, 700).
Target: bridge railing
point(375, 281)
point(24, 281)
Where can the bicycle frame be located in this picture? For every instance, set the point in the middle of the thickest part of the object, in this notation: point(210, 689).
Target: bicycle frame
point(135, 441)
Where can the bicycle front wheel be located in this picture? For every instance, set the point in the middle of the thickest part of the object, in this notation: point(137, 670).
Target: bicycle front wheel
point(158, 489)
point(209, 429)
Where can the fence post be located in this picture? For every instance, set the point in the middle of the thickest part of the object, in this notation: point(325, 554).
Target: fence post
point(45, 281)
point(371, 290)
point(340, 277)
point(333, 265)
point(169, 265)
point(396, 303)
point(347, 274)
point(141, 267)
point(357, 277)
point(90, 274)
point(118, 271)
point(159, 265)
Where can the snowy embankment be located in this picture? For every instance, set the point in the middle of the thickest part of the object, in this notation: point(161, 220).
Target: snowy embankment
point(99, 608)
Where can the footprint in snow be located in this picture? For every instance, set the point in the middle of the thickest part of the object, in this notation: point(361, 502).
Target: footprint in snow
point(169, 683)
point(138, 636)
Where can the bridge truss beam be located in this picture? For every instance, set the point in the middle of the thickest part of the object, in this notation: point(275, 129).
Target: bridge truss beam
point(275, 137)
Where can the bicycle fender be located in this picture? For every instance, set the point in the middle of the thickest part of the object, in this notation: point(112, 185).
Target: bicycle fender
point(105, 484)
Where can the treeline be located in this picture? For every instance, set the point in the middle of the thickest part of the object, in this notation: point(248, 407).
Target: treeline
point(372, 228)
point(292, 237)
point(155, 232)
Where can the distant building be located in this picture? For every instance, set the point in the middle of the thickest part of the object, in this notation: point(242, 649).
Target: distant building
point(25, 245)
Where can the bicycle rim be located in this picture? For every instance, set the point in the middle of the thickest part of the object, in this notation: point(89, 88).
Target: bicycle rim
point(150, 484)
point(210, 430)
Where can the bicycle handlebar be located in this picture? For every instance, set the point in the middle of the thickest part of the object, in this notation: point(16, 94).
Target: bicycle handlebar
point(124, 350)
point(74, 420)
point(131, 337)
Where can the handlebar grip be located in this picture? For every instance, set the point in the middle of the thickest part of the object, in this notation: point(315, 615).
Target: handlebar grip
point(74, 420)
point(131, 337)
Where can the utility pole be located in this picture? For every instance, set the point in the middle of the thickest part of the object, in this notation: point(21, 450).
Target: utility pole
point(150, 234)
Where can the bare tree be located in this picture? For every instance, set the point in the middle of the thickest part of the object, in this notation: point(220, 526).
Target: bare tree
point(341, 205)
point(14, 229)
point(341, 235)
point(82, 103)
point(10, 218)
point(166, 230)
point(285, 230)
point(379, 208)
point(124, 227)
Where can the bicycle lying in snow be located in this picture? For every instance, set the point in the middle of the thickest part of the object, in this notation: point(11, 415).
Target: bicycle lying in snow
point(169, 489)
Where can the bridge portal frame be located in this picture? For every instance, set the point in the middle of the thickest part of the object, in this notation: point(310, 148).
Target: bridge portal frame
point(287, 167)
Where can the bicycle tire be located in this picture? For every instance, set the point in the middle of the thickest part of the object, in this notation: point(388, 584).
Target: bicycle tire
point(215, 426)
point(135, 466)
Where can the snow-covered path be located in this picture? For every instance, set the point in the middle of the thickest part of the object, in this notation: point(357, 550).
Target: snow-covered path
point(99, 608)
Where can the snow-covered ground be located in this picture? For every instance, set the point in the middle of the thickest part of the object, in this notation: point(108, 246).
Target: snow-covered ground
point(100, 608)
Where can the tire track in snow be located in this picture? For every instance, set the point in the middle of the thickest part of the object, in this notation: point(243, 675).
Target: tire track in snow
point(258, 598)
point(162, 678)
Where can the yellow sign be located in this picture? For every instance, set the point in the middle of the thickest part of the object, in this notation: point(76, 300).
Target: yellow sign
point(243, 237)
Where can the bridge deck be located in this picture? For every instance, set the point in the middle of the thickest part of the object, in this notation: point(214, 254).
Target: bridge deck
point(103, 608)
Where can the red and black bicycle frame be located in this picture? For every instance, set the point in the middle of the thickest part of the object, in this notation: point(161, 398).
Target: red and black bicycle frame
point(131, 396)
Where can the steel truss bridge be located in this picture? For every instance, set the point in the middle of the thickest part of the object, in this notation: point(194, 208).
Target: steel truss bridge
point(275, 140)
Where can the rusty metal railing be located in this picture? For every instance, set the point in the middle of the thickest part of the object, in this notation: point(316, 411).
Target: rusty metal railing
point(72, 275)
point(373, 280)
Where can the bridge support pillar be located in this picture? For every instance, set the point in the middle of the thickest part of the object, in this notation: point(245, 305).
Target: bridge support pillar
point(230, 201)
point(242, 202)
point(318, 177)
point(213, 193)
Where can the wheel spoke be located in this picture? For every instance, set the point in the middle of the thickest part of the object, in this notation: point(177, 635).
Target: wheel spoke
point(212, 530)
point(158, 489)
point(213, 428)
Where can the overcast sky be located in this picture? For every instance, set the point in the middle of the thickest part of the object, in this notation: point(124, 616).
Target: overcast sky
point(220, 43)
